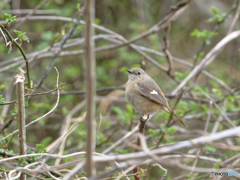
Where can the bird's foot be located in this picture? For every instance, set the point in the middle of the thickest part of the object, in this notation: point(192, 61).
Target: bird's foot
point(143, 120)
point(144, 117)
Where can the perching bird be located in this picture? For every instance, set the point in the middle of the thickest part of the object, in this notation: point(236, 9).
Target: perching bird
point(144, 95)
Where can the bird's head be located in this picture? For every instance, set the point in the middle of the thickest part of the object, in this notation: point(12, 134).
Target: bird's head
point(136, 74)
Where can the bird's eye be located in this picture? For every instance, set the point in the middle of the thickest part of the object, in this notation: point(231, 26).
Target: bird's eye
point(139, 73)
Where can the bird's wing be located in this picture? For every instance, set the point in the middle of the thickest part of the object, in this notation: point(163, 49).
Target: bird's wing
point(149, 89)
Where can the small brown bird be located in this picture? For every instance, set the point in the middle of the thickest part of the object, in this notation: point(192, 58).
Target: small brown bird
point(144, 95)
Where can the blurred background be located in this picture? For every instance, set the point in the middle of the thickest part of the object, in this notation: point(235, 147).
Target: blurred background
point(192, 35)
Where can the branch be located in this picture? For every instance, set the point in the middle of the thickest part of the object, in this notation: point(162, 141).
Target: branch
point(89, 57)
point(21, 50)
point(41, 116)
point(58, 50)
point(36, 94)
point(234, 19)
point(207, 59)
point(21, 116)
point(142, 125)
point(200, 141)
point(171, 16)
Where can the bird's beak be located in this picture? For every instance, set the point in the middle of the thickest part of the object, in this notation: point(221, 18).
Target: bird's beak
point(130, 72)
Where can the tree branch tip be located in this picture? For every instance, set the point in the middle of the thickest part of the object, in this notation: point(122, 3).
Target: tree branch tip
point(19, 78)
point(145, 117)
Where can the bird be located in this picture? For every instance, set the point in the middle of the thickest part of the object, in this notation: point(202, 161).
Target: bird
point(144, 95)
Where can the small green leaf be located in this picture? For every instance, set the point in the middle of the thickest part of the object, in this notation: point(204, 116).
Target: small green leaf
point(207, 41)
point(2, 100)
point(21, 36)
point(190, 176)
point(129, 108)
point(136, 65)
point(20, 70)
point(153, 132)
point(41, 148)
point(164, 128)
point(204, 34)
point(210, 148)
point(10, 48)
point(123, 70)
point(10, 19)
point(215, 10)
point(171, 131)
point(218, 17)
point(218, 164)
point(26, 104)
point(78, 7)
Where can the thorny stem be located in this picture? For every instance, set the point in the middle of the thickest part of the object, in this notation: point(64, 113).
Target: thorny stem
point(21, 50)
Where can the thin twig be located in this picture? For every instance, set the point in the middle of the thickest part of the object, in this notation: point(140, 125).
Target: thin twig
point(36, 94)
point(167, 52)
point(58, 50)
point(207, 59)
point(235, 18)
point(41, 116)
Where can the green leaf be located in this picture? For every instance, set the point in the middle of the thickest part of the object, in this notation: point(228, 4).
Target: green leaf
point(153, 132)
point(164, 128)
point(10, 19)
point(215, 10)
point(218, 17)
point(129, 108)
point(97, 21)
point(26, 104)
point(20, 70)
point(2, 100)
point(78, 7)
point(204, 34)
point(199, 55)
point(218, 164)
point(181, 76)
point(136, 65)
point(45, 142)
point(171, 131)
point(41, 148)
point(123, 70)
point(21, 36)
point(210, 148)
point(190, 176)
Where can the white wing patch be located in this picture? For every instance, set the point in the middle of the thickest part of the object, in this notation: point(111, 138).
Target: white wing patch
point(154, 92)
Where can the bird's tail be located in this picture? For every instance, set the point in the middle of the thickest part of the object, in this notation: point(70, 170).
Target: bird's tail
point(183, 123)
point(168, 110)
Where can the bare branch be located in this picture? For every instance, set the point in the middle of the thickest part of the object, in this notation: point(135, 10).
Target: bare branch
point(208, 59)
point(91, 87)
point(21, 116)
point(234, 19)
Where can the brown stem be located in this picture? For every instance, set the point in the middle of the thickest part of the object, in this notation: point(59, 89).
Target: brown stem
point(21, 117)
point(91, 85)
